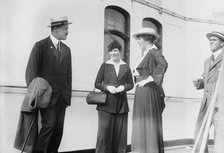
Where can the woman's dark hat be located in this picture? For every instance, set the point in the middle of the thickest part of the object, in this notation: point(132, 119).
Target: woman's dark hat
point(59, 21)
point(114, 44)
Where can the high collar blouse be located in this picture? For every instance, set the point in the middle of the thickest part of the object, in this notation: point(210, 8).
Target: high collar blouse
point(116, 65)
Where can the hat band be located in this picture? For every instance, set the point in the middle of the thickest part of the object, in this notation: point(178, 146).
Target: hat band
point(59, 22)
point(218, 33)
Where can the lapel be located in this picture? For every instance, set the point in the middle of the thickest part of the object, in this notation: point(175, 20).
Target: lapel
point(52, 50)
point(145, 60)
point(122, 71)
point(216, 61)
point(207, 66)
point(58, 58)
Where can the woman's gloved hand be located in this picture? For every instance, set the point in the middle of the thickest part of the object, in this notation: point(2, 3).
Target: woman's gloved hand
point(120, 88)
point(111, 89)
point(144, 82)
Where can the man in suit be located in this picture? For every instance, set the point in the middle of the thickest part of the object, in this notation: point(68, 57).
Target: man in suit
point(50, 59)
point(212, 67)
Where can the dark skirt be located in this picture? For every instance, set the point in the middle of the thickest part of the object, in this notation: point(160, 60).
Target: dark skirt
point(147, 132)
point(112, 133)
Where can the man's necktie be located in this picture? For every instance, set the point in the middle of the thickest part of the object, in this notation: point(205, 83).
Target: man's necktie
point(58, 46)
point(59, 50)
point(212, 59)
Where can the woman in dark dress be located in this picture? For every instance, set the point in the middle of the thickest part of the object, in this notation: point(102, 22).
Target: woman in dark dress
point(115, 78)
point(147, 133)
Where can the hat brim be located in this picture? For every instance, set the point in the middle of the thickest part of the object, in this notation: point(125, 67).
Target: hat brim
point(220, 36)
point(145, 33)
point(58, 24)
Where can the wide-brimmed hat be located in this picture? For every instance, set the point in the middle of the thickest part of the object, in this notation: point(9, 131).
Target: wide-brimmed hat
point(146, 31)
point(59, 21)
point(220, 35)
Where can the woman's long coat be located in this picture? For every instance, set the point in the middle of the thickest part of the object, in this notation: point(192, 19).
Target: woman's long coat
point(115, 103)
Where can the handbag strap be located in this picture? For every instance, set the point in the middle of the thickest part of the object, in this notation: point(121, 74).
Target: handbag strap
point(96, 91)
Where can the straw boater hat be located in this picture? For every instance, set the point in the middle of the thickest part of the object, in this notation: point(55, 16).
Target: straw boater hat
point(220, 35)
point(146, 31)
point(59, 21)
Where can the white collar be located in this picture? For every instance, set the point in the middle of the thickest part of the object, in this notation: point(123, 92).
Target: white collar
point(113, 63)
point(217, 53)
point(149, 48)
point(145, 53)
point(54, 40)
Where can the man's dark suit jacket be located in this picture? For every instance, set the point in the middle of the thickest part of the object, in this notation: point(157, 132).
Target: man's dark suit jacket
point(115, 103)
point(45, 62)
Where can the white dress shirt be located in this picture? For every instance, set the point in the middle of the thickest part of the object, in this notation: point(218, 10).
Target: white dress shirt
point(55, 41)
point(217, 53)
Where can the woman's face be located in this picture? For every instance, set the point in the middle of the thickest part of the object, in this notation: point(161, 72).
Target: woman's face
point(115, 54)
point(142, 43)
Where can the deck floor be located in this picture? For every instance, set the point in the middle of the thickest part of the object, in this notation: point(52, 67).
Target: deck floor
point(183, 150)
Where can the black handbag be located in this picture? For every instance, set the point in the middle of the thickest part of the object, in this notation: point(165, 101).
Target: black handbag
point(94, 98)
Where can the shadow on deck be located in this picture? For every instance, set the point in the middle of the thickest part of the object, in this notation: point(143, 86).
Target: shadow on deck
point(172, 146)
point(184, 149)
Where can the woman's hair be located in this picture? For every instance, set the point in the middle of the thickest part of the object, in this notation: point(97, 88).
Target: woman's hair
point(147, 37)
point(114, 44)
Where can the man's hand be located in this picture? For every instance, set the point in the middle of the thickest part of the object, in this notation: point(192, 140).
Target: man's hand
point(198, 83)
